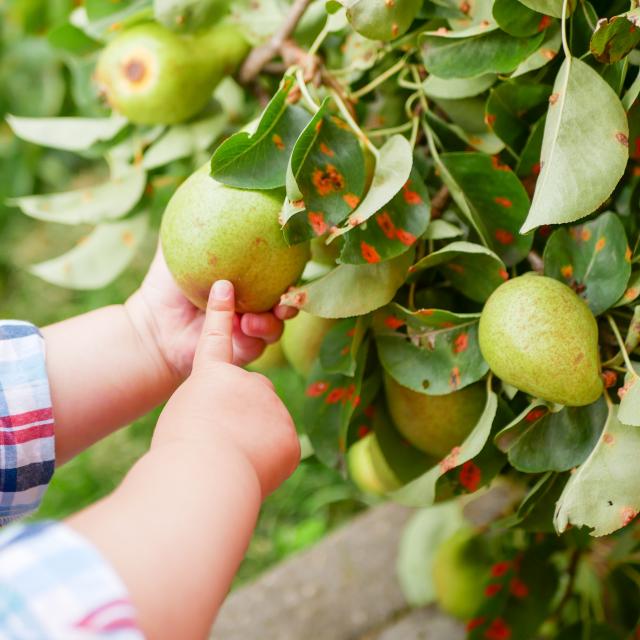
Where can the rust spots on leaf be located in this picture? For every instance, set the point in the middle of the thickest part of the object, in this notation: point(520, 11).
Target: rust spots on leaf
point(128, 239)
point(363, 430)
point(405, 237)
point(454, 378)
point(455, 267)
point(553, 98)
point(474, 623)
point(503, 202)
point(461, 343)
point(535, 414)
point(278, 142)
point(609, 378)
point(498, 630)
point(503, 236)
point(600, 245)
point(318, 126)
point(537, 167)
point(500, 568)
point(451, 460)
point(340, 123)
point(351, 199)
point(489, 119)
point(386, 224)
point(351, 332)
point(470, 476)
point(335, 395)
point(394, 323)
point(464, 7)
point(567, 271)
point(327, 180)
point(623, 390)
point(499, 166)
point(608, 438)
point(545, 23)
point(370, 411)
point(395, 30)
point(548, 54)
point(410, 197)
point(390, 4)
point(627, 254)
point(316, 389)
point(622, 139)
point(317, 222)
point(425, 312)
point(631, 293)
point(492, 589)
point(369, 253)
point(504, 274)
point(518, 588)
point(325, 149)
point(294, 298)
point(627, 515)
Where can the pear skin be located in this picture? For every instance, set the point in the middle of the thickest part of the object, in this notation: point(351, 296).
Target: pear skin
point(302, 339)
point(537, 335)
point(434, 424)
point(152, 75)
point(460, 571)
point(368, 468)
point(213, 232)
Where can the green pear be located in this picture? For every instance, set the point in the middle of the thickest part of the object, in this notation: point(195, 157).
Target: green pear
point(302, 339)
point(461, 568)
point(537, 335)
point(382, 19)
point(272, 358)
point(434, 424)
point(212, 232)
point(152, 75)
point(369, 469)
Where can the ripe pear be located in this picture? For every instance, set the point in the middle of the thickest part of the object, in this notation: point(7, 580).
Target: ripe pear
point(152, 75)
point(211, 232)
point(434, 424)
point(537, 335)
point(382, 19)
point(369, 469)
point(461, 568)
point(302, 339)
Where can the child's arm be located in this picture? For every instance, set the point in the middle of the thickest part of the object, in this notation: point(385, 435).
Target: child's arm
point(110, 366)
point(178, 526)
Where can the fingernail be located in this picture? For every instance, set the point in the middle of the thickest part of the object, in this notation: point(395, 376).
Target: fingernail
point(222, 290)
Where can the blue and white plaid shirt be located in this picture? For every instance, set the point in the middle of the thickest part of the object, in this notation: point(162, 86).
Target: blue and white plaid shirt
point(53, 583)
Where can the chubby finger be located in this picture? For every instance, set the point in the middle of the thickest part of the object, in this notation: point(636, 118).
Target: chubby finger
point(262, 325)
point(215, 344)
point(245, 348)
point(284, 312)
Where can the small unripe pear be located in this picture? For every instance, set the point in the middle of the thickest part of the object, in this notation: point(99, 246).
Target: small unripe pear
point(461, 568)
point(152, 75)
point(382, 19)
point(302, 339)
point(369, 469)
point(537, 335)
point(213, 232)
point(434, 424)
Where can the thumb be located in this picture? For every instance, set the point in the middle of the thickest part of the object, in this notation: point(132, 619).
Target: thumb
point(215, 343)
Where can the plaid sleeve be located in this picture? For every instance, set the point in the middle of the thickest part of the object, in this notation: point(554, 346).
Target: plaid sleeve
point(55, 584)
point(27, 454)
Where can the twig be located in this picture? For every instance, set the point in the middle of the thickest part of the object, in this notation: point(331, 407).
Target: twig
point(536, 262)
point(572, 571)
point(262, 55)
point(440, 201)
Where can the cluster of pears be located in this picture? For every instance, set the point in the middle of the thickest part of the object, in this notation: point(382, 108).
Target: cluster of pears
point(153, 75)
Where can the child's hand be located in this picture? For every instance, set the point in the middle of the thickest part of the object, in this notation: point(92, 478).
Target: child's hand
point(222, 405)
point(163, 316)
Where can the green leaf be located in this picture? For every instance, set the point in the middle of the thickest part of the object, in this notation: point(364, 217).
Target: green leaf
point(529, 163)
point(189, 15)
point(341, 344)
point(438, 354)
point(535, 513)
point(549, 7)
point(539, 440)
point(394, 229)
point(351, 290)
point(471, 268)
point(475, 51)
point(393, 167)
point(545, 54)
point(70, 134)
point(325, 179)
point(614, 38)
point(73, 40)
point(107, 201)
point(98, 259)
point(513, 107)
point(593, 259)
point(518, 20)
point(493, 200)
point(581, 165)
point(442, 230)
point(259, 160)
point(629, 409)
point(421, 537)
point(604, 492)
point(421, 492)
point(456, 88)
point(183, 140)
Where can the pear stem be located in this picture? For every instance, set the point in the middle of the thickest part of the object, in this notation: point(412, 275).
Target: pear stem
point(354, 125)
point(391, 71)
point(565, 44)
point(304, 91)
point(372, 133)
point(620, 341)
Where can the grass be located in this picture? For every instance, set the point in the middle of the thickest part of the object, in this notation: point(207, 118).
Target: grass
point(313, 501)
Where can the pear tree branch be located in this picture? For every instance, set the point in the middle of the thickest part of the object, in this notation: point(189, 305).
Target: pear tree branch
point(262, 55)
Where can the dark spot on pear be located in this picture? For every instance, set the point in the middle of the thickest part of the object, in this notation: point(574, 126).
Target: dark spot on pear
point(425, 384)
point(135, 70)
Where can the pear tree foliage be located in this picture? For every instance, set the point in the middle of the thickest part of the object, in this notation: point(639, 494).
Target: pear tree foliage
point(433, 150)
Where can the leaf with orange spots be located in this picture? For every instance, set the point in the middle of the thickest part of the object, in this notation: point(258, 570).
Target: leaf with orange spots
point(394, 228)
point(550, 7)
point(98, 259)
point(471, 268)
point(514, 107)
point(494, 202)
point(331, 185)
point(259, 160)
point(423, 353)
point(529, 163)
point(341, 344)
point(546, 53)
point(629, 394)
point(604, 492)
point(614, 38)
point(518, 20)
point(632, 291)
point(421, 492)
point(538, 440)
point(597, 253)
